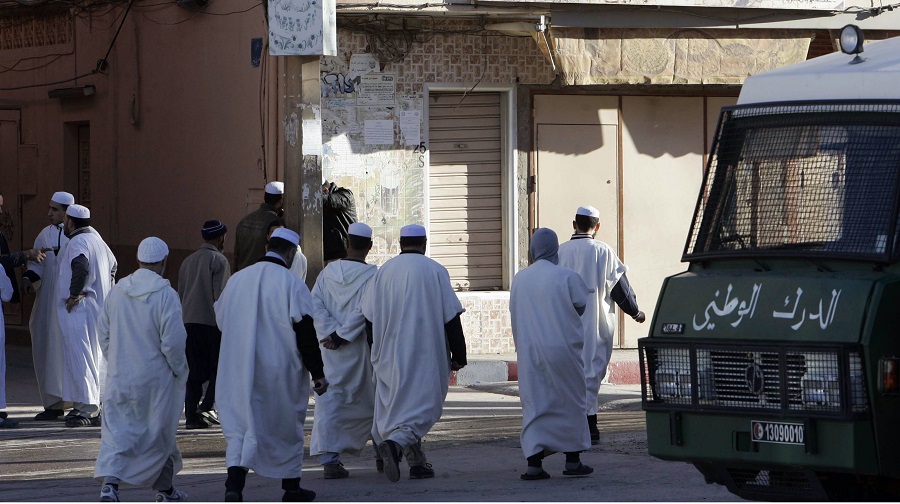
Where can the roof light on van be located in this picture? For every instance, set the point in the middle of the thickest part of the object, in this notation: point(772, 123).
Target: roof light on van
point(851, 41)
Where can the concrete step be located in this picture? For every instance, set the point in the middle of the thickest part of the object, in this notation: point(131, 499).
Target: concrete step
point(624, 369)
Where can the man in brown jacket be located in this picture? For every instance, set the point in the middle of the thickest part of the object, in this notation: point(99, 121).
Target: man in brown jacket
point(250, 235)
point(201, 279)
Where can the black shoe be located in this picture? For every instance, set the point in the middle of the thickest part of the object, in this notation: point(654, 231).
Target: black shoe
point(595, 438)
point(581, 470)
point(300, 495)
point(390, 454)
point(197, 423)
point(232, 496)
point(379, 465)
point(421, 471)
point(48, 414)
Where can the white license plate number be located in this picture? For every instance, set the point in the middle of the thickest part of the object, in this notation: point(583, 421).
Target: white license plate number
point(777, 432)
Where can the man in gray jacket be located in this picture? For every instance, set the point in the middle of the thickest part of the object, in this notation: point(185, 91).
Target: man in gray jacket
point(201, 279)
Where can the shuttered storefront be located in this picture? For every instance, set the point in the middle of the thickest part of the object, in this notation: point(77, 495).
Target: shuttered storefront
point(465, 197)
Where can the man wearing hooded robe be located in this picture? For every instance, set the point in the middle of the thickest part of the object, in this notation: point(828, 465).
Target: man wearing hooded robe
point(545, 303)
point(344, 416)
point(142, 336)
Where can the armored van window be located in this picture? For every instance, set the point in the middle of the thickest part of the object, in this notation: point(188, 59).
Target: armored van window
point(813, 180)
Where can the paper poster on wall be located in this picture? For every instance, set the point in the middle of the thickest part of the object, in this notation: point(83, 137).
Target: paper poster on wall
point(379, 132)
point(362, 64)
point(410, 126)
point(302, 28)
point(312, 137)
point(377, 89)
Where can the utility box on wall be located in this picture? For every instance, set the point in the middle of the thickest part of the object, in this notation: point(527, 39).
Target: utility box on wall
point(302, 28)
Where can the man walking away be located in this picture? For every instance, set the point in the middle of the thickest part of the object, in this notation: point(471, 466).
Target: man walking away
point(343, 419)
point(269, 351)
point(545, 304)
point(602, 271)
point(87, 271)
point(142, 335)
point(40, 279)
point(417, 339)
point(201, 279)
point(250, 235)
point(6, 292)
point(338, 212)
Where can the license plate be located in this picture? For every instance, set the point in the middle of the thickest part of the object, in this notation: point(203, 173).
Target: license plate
point(776, 432)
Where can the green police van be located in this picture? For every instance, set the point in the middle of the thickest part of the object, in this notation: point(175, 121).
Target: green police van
point(773, 362)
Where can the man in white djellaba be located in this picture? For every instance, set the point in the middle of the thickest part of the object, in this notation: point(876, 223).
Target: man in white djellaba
point(87, 271)
point(603, 272)
point(545, 304)
point(417, 339)
point(269, 352)
point(40, 279)
point(344, 416)
point(143, 338)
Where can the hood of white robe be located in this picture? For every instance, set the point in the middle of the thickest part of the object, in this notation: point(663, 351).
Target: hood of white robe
point(345, 278)
point(142, 283)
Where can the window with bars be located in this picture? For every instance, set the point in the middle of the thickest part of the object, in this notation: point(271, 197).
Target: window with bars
point(801, 179)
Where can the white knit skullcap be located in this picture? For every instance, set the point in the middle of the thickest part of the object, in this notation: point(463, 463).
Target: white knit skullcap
point(412, 231)
point(63, 198)
point(152, 250)
point(360, 229)
point(275, 188)
point(78, 211)
point(588, 211)
point(286, 234)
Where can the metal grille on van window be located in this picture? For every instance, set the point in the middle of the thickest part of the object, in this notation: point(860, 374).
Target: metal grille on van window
point(815, 180)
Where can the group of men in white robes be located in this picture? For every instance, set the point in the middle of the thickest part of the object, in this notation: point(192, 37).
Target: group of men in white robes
point(71, 279)
point(563, 323)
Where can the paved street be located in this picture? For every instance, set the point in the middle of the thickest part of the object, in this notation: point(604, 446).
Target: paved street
point(474, 449)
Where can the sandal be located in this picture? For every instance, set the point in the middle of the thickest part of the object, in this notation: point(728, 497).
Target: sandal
point(80, 421)
point(581, 470)
point(8, 423)
point(539, 476)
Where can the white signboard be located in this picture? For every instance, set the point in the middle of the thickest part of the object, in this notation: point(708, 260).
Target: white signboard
point(410, 126)
point(377, 89)
point(302, 28)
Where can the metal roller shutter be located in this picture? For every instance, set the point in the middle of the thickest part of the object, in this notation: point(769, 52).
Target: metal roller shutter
point(465, 187)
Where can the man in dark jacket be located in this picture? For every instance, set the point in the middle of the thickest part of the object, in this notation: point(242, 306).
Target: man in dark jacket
point(250, 235)
point(338, 212)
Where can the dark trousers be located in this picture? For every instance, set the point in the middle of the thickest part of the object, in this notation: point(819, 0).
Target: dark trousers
point(202, 351)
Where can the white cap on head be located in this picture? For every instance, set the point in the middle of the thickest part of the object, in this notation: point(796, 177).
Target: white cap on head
point(412, 231)
point(78, 211)
point(275, 188)
point(360, 229)
point(286, 234)
point(63, 198)
point(152, 250)
point(588, 211)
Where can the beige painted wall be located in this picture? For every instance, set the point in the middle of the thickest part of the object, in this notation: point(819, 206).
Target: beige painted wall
point(662, 154)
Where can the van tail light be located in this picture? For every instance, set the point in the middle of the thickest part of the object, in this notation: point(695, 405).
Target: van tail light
point(890, 375)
